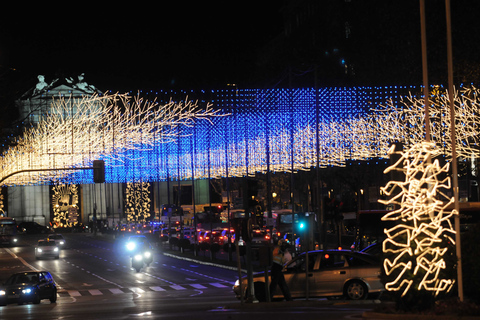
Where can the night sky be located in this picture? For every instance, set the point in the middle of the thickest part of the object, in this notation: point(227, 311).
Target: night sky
point(209, 44)
point(186, 44)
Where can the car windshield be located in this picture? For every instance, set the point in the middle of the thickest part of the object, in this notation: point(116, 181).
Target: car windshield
point(46, 244)
point(22, 278)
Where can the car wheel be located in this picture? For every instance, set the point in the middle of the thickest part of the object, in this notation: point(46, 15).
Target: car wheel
point(3, 302)
point(260, 292)
point(356, 290)
point(53, 298)
point(56, 257)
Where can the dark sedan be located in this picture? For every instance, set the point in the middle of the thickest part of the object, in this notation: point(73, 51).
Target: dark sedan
point(31, 286)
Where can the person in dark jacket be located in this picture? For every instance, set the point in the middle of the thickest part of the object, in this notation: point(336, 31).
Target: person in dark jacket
point(276, 271)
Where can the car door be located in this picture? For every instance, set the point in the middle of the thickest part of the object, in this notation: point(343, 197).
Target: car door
point(42, 287)
point(295, 275)
point(332, 273)
point(45, 284)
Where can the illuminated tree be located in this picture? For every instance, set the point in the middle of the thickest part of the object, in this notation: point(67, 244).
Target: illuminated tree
point(418, 248)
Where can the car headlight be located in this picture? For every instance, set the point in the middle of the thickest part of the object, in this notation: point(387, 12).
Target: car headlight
point(147, 254)
point(56, 249)
point(39, 250)
point(138, 257)
point(62, 243)
point(131, 246)
point(2, 292)
point(237, 283)
point(27, 290)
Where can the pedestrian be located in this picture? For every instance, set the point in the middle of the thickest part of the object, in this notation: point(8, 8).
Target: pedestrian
point(276, 273)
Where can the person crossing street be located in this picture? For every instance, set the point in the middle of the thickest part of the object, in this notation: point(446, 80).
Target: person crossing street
point(276, 271)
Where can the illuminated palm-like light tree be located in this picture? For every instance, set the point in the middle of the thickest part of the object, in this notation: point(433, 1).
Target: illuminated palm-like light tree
point(419, 248)
point(416, 246)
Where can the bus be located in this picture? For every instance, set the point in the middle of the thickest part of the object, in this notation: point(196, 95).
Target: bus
point(8, 231)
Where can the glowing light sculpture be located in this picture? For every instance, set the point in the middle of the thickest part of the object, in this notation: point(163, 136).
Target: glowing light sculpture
point(117, 128)
point(423, 223)
point(137, 201)
point(148, 140)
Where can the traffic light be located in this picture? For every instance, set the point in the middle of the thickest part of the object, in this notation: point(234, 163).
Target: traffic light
point(98, 171)
point(302, 225)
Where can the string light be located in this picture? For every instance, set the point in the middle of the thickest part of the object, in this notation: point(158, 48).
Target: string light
point(155, 140)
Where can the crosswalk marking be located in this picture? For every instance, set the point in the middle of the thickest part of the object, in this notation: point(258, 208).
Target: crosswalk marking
point(137, 290)
point(177, 287)
point(115, 291)
point(95, 292)
point(106, 291)
point(74, 293)
point(157, 289)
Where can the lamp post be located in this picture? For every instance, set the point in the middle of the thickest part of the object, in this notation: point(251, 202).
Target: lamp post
point(454, 151)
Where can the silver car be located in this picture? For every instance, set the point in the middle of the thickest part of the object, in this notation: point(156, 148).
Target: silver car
point(59, 239)
point(47, 248)
point(331, 273)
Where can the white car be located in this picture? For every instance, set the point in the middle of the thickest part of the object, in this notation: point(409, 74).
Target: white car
point(59, 239)
point(47, 248)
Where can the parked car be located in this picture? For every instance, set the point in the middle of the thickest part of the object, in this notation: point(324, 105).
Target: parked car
point(31, 227)
point(331, 273)
point(47, 248)
point(59, 239)
point(31, 286)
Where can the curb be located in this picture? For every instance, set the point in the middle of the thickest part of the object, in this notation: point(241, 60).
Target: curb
point(388, 316)
point(298, 303)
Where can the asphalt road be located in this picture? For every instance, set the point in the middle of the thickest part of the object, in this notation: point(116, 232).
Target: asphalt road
point(96, 282)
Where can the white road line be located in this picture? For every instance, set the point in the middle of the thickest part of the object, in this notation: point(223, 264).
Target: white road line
point(115, 291)
point(218, 285)
point(177, 287)
point(157, 288)
point(74, 293)
point(95, 292)
point(197, 286)
point(21, 260)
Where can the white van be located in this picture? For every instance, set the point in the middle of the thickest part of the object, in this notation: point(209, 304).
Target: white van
point(189, 233)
